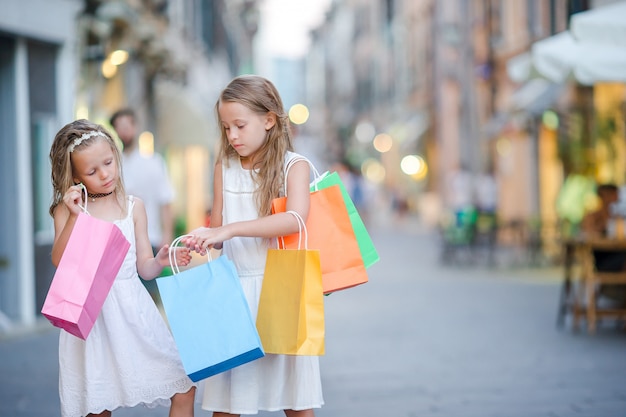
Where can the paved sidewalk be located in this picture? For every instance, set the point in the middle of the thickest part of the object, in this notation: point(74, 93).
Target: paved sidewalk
point(418, 340)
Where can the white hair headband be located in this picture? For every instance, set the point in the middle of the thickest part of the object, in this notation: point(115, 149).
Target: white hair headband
point(84, 137)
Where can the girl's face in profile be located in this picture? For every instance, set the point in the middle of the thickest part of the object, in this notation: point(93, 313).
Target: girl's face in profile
point(246, 130)
point(95, 166)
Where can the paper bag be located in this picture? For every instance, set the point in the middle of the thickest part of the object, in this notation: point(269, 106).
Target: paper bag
point(209, 318)
point(366, 246)
point(330, 232)
point(92, 258)
point(290, 319)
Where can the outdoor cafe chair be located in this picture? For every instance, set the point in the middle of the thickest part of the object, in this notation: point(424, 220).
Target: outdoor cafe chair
point(586, 301)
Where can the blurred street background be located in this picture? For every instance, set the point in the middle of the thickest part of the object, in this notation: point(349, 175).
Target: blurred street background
point(471, 135)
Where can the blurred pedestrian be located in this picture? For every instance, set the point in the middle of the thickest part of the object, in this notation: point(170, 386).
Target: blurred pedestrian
point(256, 145)
point(486, 201)
point(129, 357)
point(146, 177)
point(355, 186)
point(598, 223)
point(486, 194)
point(460, 196)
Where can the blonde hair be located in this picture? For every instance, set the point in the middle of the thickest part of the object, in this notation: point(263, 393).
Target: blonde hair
point(72, 137)
point(261, 96)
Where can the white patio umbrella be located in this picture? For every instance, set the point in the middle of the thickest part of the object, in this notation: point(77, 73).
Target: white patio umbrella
point(604, 25)
point(594, 50)
point(561, 56)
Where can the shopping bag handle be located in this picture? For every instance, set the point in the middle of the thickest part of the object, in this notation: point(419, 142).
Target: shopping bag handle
point(83, 190)
point(291, 162)
point(172, 255)
point(301, 228)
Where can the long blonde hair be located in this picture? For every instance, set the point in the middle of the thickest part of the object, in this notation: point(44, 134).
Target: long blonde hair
point(61, 157)
point(261, 96)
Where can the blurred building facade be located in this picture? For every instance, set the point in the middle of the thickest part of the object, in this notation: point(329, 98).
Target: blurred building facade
point(433, 76)
point(573, 123)
point(38, 69)
point(442, 79)
point(369, 73)
point(181, 53)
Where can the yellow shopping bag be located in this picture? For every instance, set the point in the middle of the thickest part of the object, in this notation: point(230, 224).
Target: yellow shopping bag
point(290, 320)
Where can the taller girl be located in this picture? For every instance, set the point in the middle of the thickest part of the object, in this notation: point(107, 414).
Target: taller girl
point(256, 145)
point(129, 357)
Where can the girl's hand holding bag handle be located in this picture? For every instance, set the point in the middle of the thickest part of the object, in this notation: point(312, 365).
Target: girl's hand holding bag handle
point(209, 316)
point(290, 319)
point(90, 262)
point(331, 232)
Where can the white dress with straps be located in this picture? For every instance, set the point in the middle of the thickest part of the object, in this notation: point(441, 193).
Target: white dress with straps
point(274, 382)
point(129, 358)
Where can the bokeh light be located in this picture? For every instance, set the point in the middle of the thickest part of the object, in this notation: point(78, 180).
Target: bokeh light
point(82, 112)
point(373, 171)
point(503, 146)
point(383, 142)
point(108, 69)
point(411, 164)
point(146, 143)
point(414, 166)
point(364, 132)
point(550, 119)
point(118, 57)
point(298, 114)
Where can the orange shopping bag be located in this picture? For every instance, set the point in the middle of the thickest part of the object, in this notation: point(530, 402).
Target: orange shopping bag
point(330, 231)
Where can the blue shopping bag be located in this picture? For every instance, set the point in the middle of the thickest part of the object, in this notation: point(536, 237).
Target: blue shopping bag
point(209, 317)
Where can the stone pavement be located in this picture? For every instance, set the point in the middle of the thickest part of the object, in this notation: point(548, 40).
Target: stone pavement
point(419, 339)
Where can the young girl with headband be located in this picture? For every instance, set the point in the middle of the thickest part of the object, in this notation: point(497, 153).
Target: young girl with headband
point(129, 357)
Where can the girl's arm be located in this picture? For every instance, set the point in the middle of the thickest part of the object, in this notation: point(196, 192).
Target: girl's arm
point(218, 200)
point(280, 224)
point(64, 222)
point(150, 266)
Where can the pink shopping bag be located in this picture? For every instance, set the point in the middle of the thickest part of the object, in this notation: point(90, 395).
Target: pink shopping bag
point(91, 260)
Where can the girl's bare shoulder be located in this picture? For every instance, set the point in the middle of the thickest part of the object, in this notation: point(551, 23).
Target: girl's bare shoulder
point(60, 211)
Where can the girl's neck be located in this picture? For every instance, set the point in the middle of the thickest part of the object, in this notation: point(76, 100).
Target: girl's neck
point(247, 162)
point(109, 207)
point(94, 196)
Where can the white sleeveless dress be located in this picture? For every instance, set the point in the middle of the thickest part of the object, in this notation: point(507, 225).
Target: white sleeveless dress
point(274, 382)
point(129, 358)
